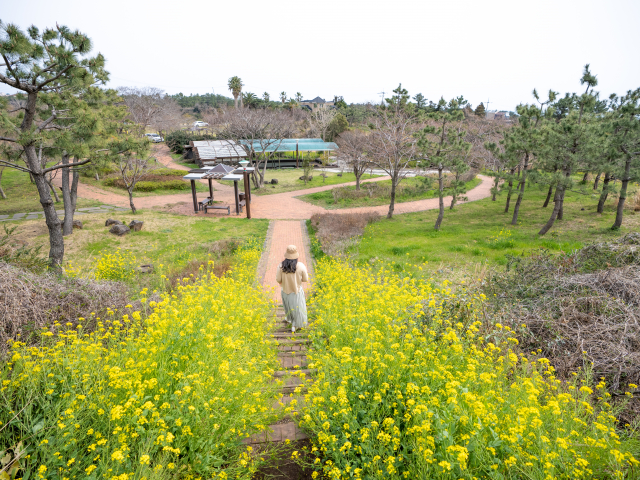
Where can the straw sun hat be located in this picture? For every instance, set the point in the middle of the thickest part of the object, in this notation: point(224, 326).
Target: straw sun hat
point(292, 253)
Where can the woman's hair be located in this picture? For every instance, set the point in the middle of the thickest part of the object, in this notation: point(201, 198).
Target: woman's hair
point(289, 266)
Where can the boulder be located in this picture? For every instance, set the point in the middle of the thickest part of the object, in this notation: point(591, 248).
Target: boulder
point(77, 224)
point(309, 178)
point(146, 268)
point(111, 221)
point(339, 174)
point(136, 225)
point(119, 230)
point(274, 181)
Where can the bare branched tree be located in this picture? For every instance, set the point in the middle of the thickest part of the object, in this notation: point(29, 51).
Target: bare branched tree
point(353, 151)
point(320, 120)
point(262, 130)
point(132, 170)
point(393, 146)
point(151, 107)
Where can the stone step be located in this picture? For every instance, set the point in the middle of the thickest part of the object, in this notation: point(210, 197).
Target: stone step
point(277, 433)
point(293, 363)
point(292, 349)
point(284, 373)
point(288, 334)
point(293, 353)
point(296, 341)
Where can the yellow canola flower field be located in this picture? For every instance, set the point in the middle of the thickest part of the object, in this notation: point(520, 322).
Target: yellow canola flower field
point(407, 388)
point(166, 396)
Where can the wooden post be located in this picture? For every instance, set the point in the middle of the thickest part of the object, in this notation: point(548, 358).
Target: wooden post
point(211, 189)
point(247, 194)
point(296, 154)
point(235, 194)
point(248, 190)
point(195, 198)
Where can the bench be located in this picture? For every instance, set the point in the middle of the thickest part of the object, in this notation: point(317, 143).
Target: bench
point(202, 203)
point(217, 207)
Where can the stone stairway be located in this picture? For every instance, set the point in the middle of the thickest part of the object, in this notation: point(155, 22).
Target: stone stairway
point(292, 354)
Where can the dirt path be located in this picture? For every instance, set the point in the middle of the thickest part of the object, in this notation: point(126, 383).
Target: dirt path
point(279, 206)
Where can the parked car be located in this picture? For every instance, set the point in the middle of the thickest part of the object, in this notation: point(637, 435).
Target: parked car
point(154, 137)
point(200, 124)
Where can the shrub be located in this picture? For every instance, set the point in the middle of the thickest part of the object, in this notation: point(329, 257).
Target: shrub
point(166, 396)
point(178, 139)
point(168, 172)
point(406, 388)
point(147, 186)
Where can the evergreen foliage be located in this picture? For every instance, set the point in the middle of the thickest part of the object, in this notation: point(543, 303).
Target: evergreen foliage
point(338, 125)
point(198, 100)
point(480, 110)
point(178, 139)
point(445, 148)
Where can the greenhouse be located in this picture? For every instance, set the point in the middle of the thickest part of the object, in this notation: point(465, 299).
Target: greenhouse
point(294, 149)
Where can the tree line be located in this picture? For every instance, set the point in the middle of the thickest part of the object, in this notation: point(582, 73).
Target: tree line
point(548, 144)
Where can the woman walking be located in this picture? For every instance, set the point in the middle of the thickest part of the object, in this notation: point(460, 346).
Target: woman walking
point(290, 276)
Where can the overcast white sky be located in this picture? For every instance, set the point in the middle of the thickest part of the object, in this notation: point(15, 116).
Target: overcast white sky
point(492, 49)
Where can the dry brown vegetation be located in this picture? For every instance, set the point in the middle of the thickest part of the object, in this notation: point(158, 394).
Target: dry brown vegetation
point(337, 232)
point(30, 302)
point(581, 310)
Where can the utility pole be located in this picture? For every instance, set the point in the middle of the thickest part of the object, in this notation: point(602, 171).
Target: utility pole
point(487, 104)
point(381, 97)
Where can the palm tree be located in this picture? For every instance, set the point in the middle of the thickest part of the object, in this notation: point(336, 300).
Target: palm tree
point(298, 97)
point(235, 87)
point(249, 99)
point(283, 97)
point(265, 97)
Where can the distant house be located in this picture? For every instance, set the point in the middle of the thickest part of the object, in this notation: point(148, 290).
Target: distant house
point(501, 115)
point(316, 103)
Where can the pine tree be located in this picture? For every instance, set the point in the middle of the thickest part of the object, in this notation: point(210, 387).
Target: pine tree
point(421, 101)
point(480, 111)
point(565, 145)
point(51, 68)
point(444, 146)
point(400, 99)
point(623, 126)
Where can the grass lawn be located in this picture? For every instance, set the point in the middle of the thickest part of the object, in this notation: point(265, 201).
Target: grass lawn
point(464, 241)
point(289, 180)
point(170, 242)
point(325, 199)
point(177, 157)
point(22, 195)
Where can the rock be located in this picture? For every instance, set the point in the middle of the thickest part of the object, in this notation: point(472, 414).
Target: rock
point(119, 230)
point(582, 209)
point(274, 181)
point(77, 224)
point(136, 225)
point(146, 268)
point(309, 178)
point(111, 221)
point(339, 174)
